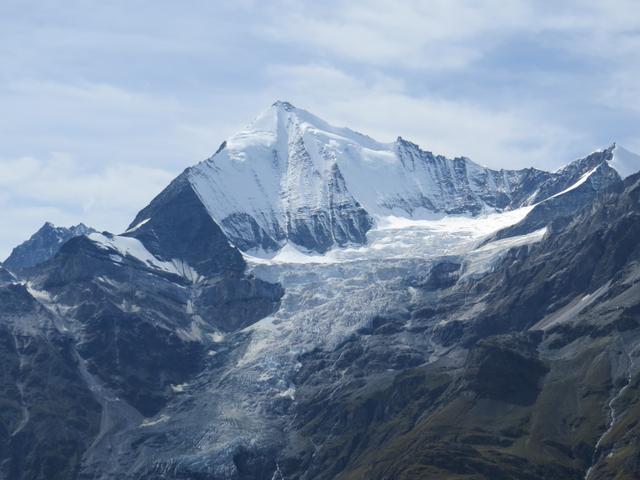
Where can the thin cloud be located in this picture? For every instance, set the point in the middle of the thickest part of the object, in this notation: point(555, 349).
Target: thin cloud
point(62, 189)
point(435, 35)
point(510, 138)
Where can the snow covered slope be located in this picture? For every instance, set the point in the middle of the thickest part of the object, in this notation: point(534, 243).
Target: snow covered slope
point(290, 177)
point(624, 162)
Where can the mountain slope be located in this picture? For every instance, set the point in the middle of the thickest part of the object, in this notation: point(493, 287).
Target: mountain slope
point(626, 163)
point(176, 226)
point(49, 416)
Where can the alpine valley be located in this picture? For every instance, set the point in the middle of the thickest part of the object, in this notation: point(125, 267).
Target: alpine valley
point(309, 303)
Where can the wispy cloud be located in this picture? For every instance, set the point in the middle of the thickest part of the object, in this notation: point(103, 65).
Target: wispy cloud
point(510, 138)
point(64, 190)
point(433, 35)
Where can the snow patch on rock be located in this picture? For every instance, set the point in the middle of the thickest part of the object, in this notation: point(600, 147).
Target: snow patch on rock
point(122, 247)
point(626, 163)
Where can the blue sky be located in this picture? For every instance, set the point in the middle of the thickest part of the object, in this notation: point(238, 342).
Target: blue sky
point(103, 103)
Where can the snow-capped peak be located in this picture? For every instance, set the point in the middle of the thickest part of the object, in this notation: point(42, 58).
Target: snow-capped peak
point(626, 163)
point(617, 157)
point(283, 104)
point(282, 116)
point(292, 176)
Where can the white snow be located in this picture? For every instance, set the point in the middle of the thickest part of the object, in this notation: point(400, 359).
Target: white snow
point(194, 333)
point(147, 422)
point(138, 225)
point(127, 246)
point(288, 165)
point(132, 247)
point(626, 163)
point(280, 166)
point(216, 337)
point(289, 253)
point(288, 393)
point(41, 295)
point(580, 181)
point(285, 166)
point(400, 238)
point(482, 259)
point(179, 388)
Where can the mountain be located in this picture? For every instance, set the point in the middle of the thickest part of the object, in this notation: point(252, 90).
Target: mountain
point(292, 177)
point(309, 303)
point(624, 162)
point(42, 245)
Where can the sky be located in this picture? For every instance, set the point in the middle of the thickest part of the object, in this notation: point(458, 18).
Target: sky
point(103, 103)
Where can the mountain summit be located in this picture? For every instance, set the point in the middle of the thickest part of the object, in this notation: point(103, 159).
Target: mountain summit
point(626, 163)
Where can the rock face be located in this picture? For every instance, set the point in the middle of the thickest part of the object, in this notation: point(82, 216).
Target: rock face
point(177, 226)
point(499, 342)
point(49, 416)
point(42, 245)
point(6, 276)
